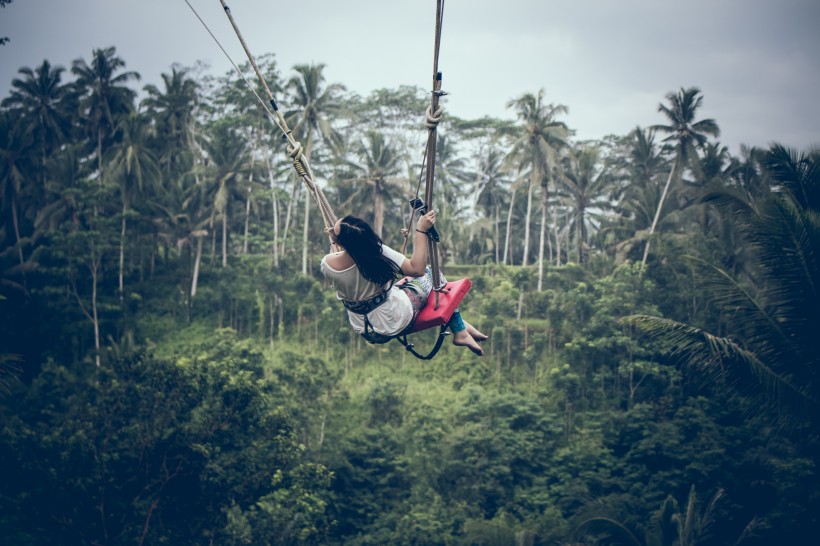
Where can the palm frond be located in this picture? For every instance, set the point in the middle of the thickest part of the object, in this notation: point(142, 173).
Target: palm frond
point(721, 358)
point(606, 530)
point(10, 371)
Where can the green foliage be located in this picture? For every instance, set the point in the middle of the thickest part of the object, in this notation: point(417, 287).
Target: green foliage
point(153, 451)
point(180, 232)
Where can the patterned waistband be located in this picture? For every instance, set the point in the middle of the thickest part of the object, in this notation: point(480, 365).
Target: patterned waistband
point(365, 306)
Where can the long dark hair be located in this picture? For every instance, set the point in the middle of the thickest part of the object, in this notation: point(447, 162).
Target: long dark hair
point(365, 247)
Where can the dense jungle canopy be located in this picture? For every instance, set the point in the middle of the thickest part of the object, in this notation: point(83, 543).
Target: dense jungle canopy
point(175, 370)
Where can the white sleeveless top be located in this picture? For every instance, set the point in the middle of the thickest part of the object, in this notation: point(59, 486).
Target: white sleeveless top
point(389, 318)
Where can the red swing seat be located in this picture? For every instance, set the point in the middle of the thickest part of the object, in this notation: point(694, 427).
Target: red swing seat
point(447, 304)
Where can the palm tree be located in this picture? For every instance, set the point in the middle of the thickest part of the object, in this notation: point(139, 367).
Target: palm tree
point(173, 110)
point(587, 186)
point(686, 134)
point(772, 344)
point(746, 174)
point(39, 101)
point(314, 105)
point(669, 526)
point(227, 155)
point(13, 173)
point(715, 168)
point(519, 180)
point(133, 164)
point(451, 174)
point(181, 217)
point(63, 206)
point(639, 200)
point(104, 98)
point(645, 159)
point(539, 140)
point(493, 184)
point(376, 177)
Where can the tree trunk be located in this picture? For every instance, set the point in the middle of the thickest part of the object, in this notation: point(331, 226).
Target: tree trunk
point(582, 233)
point(527, 219)
point(99, 154)
point(378, 209)
point(247, 220)
point(550, 250)
point(197, 260)
point(92, 316)
point(305, 233)
point(658, 212)
point(509, 225)
point(95, 316)
point(544, 198)
point(122, 251)
point(497, 234)
point(213, 242)
point(275, 206)
point(289, 212)
point(225, 236)
point(280, 331)
point(16, 223)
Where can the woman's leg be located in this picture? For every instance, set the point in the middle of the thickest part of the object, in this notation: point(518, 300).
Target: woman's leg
point(473, 331)
point(461, 335)
point(457, 324)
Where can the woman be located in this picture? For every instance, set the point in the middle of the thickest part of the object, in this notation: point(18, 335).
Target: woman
point(363, 274)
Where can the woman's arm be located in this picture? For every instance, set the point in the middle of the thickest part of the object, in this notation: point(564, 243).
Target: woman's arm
point(418, 261)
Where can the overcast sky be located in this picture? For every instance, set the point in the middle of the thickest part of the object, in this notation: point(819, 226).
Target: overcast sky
point(610, 61)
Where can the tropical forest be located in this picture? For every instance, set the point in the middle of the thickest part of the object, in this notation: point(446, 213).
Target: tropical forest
point(174, 368)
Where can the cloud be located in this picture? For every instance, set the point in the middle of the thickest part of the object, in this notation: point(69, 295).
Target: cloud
point(610, 61)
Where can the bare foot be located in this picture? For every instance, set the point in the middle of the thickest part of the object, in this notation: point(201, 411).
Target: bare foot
point(464, 339)
point(473, 331)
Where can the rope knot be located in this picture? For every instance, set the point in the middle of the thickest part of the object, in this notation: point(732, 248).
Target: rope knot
point(295, 152)
point(431, 119)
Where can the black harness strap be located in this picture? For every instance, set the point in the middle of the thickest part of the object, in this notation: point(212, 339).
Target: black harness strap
point(371, 336)
point(402, 338)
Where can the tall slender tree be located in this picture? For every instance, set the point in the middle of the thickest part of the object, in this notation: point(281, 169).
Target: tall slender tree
point(134, 165)
point(376, 175)
point(537, 146)
point(13, 173)
point(539, 137)
point(103, 95)
point(586, 189)
point(687, 135)
point(173, 112)
point(227, 154)
point(643, 161)
point(40, 101)
point(493, 185)
point(40, 105)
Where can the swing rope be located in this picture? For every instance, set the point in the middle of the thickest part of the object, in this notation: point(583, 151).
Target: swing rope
point(434, 112)
point(294, 148)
